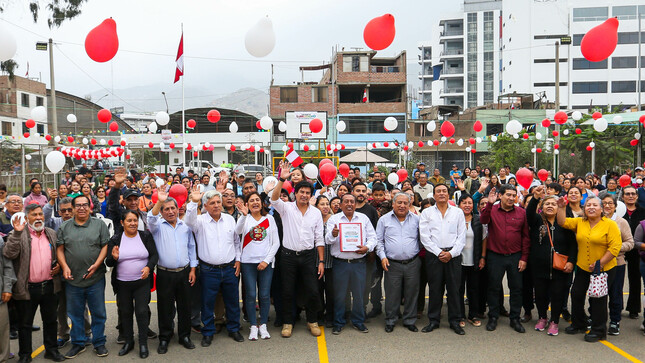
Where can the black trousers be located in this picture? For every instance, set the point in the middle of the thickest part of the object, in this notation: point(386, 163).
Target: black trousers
point(423, 282)
point(552, 290)
point(528, 291)
point(173, 287)
point(498, 265)
point(326, 292)
point(42, 295)
point(299, 265)
point(470, 286)
point(443, 276)
point(597, 306)
point(634, 276)
point(134, 298)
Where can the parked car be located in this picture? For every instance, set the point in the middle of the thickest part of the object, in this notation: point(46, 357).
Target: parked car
point(251, 169)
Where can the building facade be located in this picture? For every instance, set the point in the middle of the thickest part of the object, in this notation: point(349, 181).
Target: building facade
point(17, 97)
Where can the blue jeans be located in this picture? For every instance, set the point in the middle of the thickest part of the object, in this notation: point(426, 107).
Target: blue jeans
point(213, 281)
point(350, 276)
point(262, 279)
point(94, 296)
point(616, 294)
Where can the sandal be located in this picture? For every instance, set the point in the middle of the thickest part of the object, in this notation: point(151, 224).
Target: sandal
point(462, 323)
point(475, 322)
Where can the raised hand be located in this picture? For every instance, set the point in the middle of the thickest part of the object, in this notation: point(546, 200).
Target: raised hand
point(492, 196)
point(243, 208)
point(52, 193)
point(162, 195)
point(334, 232)
point(285, 169)
point(483, 185)
point(220, 186)
point(120, 175)
point(19, 224)
point(196, 194)
point(538, 192)
point(562, 202)
point(460, 184)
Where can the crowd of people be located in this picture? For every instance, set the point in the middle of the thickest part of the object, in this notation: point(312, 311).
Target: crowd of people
point(331, 251)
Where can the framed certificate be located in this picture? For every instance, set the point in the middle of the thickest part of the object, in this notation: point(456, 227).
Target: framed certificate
point(351, 236)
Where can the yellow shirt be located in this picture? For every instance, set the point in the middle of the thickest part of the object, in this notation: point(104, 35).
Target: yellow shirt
point(594, 242)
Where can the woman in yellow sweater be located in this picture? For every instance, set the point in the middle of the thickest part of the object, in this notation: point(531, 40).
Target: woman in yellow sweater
point(598, 240)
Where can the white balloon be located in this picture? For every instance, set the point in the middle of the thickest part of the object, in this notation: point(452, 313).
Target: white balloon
point(57, 138)
point(39, 113)
point(410, 144)
point(207, 144)
point(260, 40)
point(478, 139)
point(516, 136)
point(285, 148)
point(600, 124)
point(431, 126)
point(162, 118)
point(443, 139)
point(71, 118)
point(232, 127)
point(341, 126)
point(621, 209)
point(533, 150)
point(28, 157)
point(460, 142)
point(162, 145)
point(493, 138)
point(152, 127)
point(266, 123)
point(369, 147)
point(55, 161)
point(159, 182)
point(282, 126)
point(390, 123)
point(556, 151)
point(311, 171)
point(102, 142)
point(513, 127)
point(402, 152)
point(7, 44)
point(592, 144)
point(339, 146)
point(269, 183)
point(376, 144)
point(538, 135)
point(267, 151)
point(17, 218)
point(468, 149)
point(618, 119)
point(576, 115)
point(227, 146)
point(637, 136)
point(565, 132)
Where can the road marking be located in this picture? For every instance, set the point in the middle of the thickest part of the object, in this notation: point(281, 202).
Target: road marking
point(35, 353)
point(626, 355)
point(322, 346)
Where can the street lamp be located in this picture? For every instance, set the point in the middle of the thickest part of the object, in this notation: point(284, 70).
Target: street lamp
point(165, 99)
point(50, 46)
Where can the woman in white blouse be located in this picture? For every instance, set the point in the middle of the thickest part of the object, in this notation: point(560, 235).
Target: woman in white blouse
point(260, 242)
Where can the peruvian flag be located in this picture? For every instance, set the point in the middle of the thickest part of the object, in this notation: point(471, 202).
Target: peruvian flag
point(365, 95)
point(293, 157)
point(179, 71)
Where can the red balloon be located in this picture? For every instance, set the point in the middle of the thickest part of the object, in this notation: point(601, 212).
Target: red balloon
point(110, 142)
point(26, 135)
point(30, 124)
point(104, 115)
point(624, 180)
point(93, 141)
point(189, 147)
point(524, 177)
point(70, 139)
point(261, 150)
point(600, 42)
point(421, 143)
point(151, 145)
point(543, 174)
point(327, 173)
point(195, 153)
point(172, 145)
point(328, 147)
point(555, 133)
point(546, 122)
point(578, 131)
point(212, 147)
point(155, 197)
point(447, 129)
point(406, 148)
point(290, 145)
point(305, 148)
point(452, 140)
point(473, 151)
point(589, 148)
point(385, 144)
point(560, 117)
point(191, 124)
point(379, 32)
point(478, 126)
point(315, 125)
point(287, 186)
point(251, 148)
point(403, 174)
point(257, 125)
point(525, 136)
point(472, 141)
point(641, 119)
point(556, 146)
point(323, 162)
point(343, 169)
point(634, 142)
point(538, 150)
point(102, 42)
point(48, 137)
point(342, 146)
point(213, 116)
point(114, 126)
point(232, 147)
point(122, 142)
point(436, 143)
point(127, 157)
point(596, 115)
point(180, 193)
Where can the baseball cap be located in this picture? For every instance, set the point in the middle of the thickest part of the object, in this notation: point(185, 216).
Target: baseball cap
point(638, 168)
point(130, 192)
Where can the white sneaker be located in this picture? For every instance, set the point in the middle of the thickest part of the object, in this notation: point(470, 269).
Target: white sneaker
point(253, 335)
point(264, 334)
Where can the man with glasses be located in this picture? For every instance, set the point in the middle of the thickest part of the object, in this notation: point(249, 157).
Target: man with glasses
point(13, 206)
point(82, 248)
point(634, 215)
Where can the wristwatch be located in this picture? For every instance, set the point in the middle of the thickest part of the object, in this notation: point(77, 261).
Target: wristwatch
point(282, 179)
point(321, 261)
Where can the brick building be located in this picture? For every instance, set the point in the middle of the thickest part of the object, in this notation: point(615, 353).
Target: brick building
point(17, 97)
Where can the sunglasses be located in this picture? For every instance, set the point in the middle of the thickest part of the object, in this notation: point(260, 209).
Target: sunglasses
point(66, 210)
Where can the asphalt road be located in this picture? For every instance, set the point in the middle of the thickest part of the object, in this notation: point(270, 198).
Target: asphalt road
point(478, 345)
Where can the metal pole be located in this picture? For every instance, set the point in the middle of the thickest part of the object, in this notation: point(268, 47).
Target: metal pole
point(556, 158)
point(183, 111)
point(24, 166)
point(53, 87)
point(593, 159)
point(639, 152)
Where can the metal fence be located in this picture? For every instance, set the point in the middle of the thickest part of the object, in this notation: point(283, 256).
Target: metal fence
point(17, 184)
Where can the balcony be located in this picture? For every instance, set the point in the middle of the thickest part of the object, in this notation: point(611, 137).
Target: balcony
point(451, 53)
point(451, 33)
point(385, 69)
point(449, 92)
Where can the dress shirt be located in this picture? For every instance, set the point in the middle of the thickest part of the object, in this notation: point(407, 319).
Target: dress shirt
point(40, 261)
point(217, 241)
point(369, 235)
point(424, 191)
point(447, 231)
point(301, 232)
point(508, 231)
point(395, 239)
point(176, 245)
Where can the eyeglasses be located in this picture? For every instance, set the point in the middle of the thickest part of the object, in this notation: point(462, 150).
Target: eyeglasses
point(66, 210)
point(629, 194)
point(14, 202)
point(84, 205)
point(608, 203)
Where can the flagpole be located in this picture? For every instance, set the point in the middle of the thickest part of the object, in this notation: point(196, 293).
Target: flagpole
point(183, 111)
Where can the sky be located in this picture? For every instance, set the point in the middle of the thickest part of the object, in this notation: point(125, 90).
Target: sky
point(216, 61)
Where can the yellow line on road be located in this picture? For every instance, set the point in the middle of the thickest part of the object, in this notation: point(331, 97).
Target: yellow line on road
point(35, 353)
point(322, 346)
point(626, 355)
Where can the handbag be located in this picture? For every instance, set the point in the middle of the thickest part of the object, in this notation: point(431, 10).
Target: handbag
point(559, 260)
point(597, 283)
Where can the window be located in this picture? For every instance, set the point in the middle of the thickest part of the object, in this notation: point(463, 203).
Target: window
point(492, 129)
point(24, 100)
point(549, 60)
point(356, 63)
point(589, 87)
point(577, 38)
point(590, 14)
point(624, 12)
point(548, 84)
point(628, 37)
point(40, 128)
point(581, 63)
point(549, 36)
point(623, 62)
point(288, 94)
point(39, 101)
point(7, 128)
point(370, 124)
point(319, 94)
point(623, 86)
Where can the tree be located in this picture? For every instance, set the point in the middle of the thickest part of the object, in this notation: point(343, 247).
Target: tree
point(514, 152)
point(148, 157)
point(9, 67)
point(57, 11)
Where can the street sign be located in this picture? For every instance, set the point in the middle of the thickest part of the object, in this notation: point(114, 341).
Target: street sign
point(565, 40)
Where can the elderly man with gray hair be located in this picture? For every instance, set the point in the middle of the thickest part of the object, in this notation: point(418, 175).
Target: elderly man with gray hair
point(397, 235)
point(219, 261)
point(175, 271)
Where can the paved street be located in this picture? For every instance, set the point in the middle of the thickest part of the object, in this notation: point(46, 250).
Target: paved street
point(478, 345)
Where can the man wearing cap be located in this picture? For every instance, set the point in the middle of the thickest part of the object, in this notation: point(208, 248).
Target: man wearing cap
point(421, 168)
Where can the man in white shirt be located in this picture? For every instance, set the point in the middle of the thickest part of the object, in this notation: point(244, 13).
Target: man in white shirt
point(423, 187)
point(219, 250)
point(443, 234)
point(397, 234)
point(349, 268)
point(302, 246)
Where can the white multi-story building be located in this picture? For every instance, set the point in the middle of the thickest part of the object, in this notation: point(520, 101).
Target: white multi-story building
point(426, 77)
point(501, 47)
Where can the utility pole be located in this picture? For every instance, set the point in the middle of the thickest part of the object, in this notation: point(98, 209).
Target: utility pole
point(639, 152)
point(556, 158)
